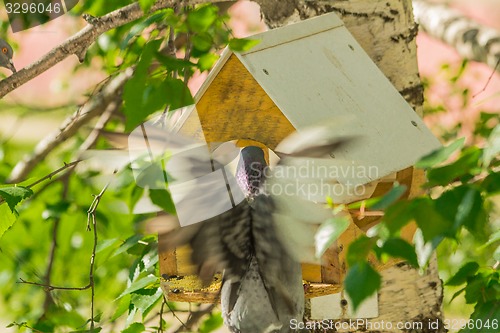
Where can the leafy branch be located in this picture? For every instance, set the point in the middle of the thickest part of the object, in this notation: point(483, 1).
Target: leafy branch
point(91, 225)
point(459, 194)
point(81, 41)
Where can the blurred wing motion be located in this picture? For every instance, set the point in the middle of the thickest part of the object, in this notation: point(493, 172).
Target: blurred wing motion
point(256, 224)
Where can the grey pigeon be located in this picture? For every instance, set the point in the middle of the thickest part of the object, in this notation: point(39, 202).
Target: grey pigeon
point(6, 56)
point(259, 242)
point(262, 287)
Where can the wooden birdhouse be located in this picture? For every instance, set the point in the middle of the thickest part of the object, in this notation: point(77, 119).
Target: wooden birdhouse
point(297, 76)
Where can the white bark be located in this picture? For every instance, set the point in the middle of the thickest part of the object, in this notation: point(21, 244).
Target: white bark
point(472, 40)
point(386, 30)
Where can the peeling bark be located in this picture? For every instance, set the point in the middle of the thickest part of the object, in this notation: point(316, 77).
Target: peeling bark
point(472, 40)
point(386, 30)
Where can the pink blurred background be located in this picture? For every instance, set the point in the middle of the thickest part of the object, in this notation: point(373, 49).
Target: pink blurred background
point(60, 85)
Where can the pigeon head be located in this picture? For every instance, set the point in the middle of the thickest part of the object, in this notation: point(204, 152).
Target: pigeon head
point(6, 56)
point(250, 170)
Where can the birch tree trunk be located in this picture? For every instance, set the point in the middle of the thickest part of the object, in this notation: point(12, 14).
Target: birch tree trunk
point(386, 30)
point(470, 39)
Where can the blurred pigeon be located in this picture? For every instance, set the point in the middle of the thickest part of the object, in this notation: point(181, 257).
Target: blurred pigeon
point(259, 243)
point(257, 240)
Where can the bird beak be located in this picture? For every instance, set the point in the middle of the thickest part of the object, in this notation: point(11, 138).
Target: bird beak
point(10, 66)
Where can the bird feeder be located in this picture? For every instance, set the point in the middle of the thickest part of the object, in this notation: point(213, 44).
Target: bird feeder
point(298, 76)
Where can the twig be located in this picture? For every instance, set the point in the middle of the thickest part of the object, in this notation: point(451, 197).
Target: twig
point(53, 173)
point(87, 144)
point(80, 42)
point(71, 125)
point(98, 127)
point(91, 217)
point(50, 175)
point(175, 316)
point(52, 254)
point(195, 317)
point(51, 287)
point(489, 79)
point(160, 326)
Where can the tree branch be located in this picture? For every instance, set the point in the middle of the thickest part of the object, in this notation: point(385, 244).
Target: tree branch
point(47, 278)
point(96, 106)
point(91, 217)
point(50, 287)
point(195, 317)
point(78, 45)
point(81, 41)
point(471, 40)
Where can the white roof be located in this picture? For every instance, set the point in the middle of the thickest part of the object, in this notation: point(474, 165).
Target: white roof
point(316, 71)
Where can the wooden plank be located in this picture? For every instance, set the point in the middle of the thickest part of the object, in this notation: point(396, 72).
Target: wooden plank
point(234, 107)
point(168, 262)
point(331, 271)
point(294, 32)
point(212, 293)
point(311, 273)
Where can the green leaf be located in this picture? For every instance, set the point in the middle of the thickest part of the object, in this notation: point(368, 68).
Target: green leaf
point(468, 161)
point(398, 215)
point(145, 299)
point(174, 64)
point(389, 198)
point(491, 184)
point(105, 244)
point(329, 232)
point(242, 44)
point(495, 237)
point(14, 195)
point(202, 42)
point(177, 93)
point(55, 210)
point(123, 306)
point(474, 289)
point(361, 282)
point(146, 5)
point(129, 243)
point(484, 319)
point(207, 61)
point(471, 213)
point(95, 330)
point(492, 149)
point(138, 28)
point(439, 155)
point(139, 284)
point(7, 219)
point(162, 199)
point(430, 221)
point(142, 95)
point(496, 254)
point(424, 249)
point(399, 248)
point(202, 18)
point(134, 196)
point(456, 294)
point(213, 322)
point(461, 276)
point(463, 207)
point(359, 249)
point(135, 328)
